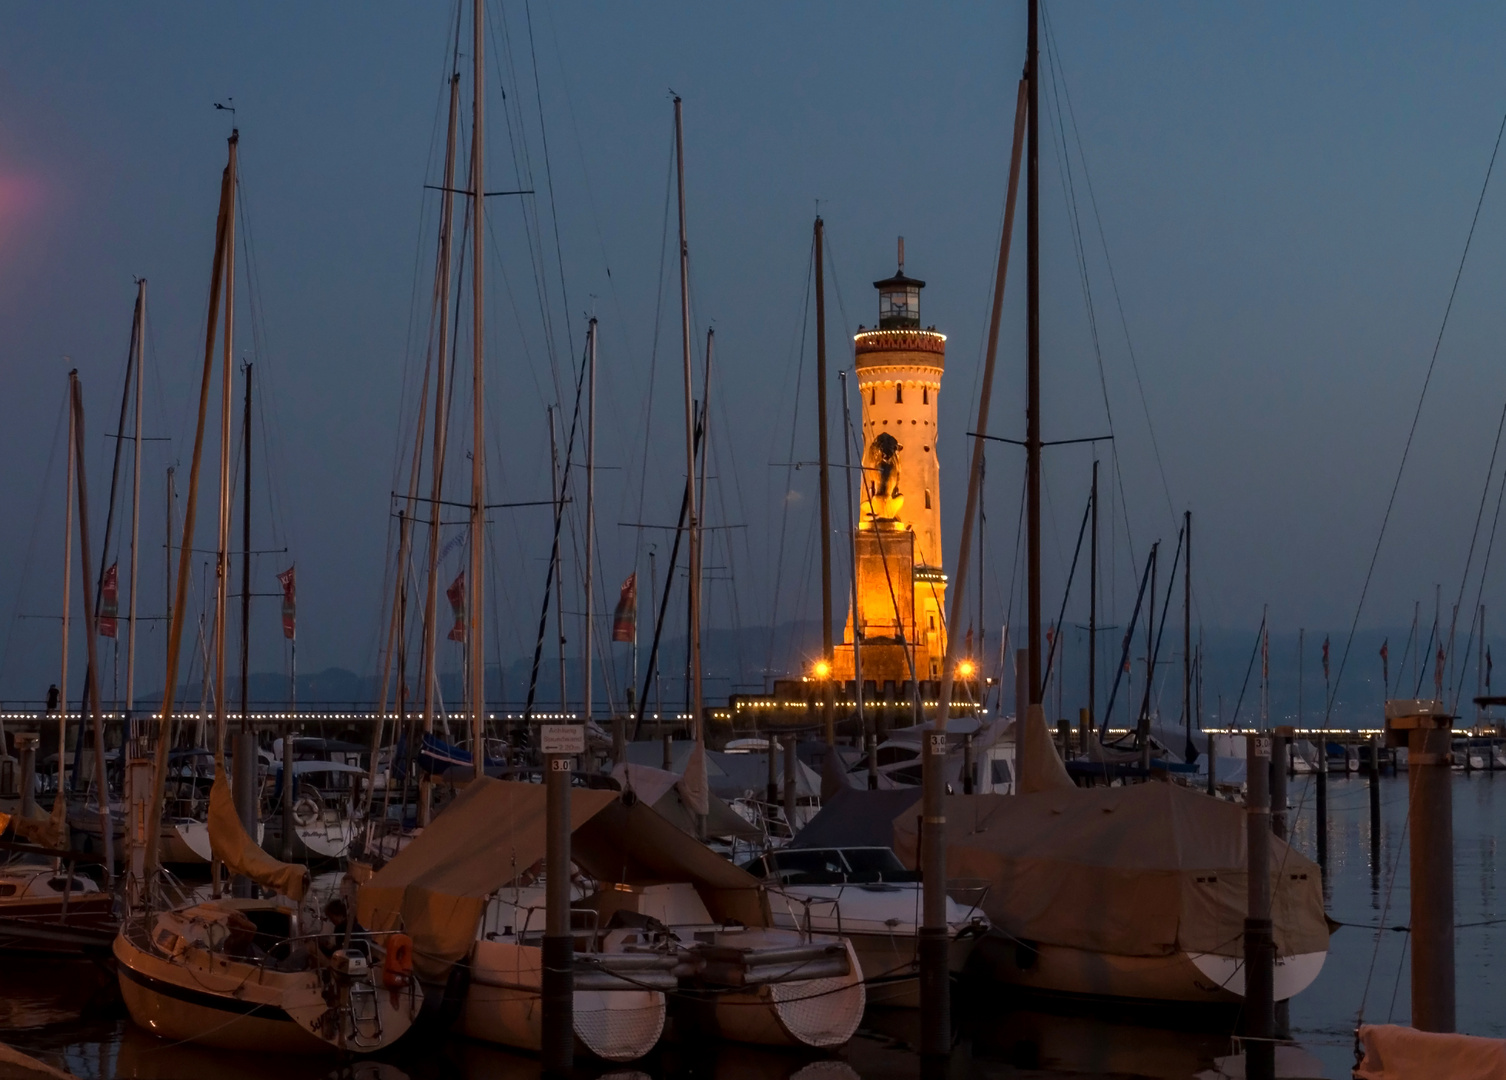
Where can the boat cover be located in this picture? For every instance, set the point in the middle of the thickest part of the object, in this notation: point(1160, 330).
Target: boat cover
point(1139, 870)
point(435, 889)
point(1395, 1052)
point(858, 818)
point(234, 847)
point(664, 791)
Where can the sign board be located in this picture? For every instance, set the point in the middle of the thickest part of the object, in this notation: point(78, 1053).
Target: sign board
point(938, 743)
point(1262, 746)
point(559, 764)
point(562, 738)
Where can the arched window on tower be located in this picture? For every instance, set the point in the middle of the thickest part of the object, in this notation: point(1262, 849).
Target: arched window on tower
point(899, 393)
point(873, 396)
point(928, 498)
point(925, 395)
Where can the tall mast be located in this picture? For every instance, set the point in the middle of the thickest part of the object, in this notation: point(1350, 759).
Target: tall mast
point(1187, 626)
point(91, 687)
point(222, 542)
point(692, 520)
point(441, 425)
point(478, 428)
point(1033, 378)
point(1093, 617)
point(828, 705)
point(246, 560)
point(590, 505)
point(857, 628)
point(557, 490)
point(130, 698)
point(67, 598)
point(935, 1004)
point(185, 549)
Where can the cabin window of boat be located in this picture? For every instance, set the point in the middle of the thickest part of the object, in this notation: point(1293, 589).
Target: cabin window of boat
point(1001, 772)
point(809, 866)
point(879, 861)
point(7, 890)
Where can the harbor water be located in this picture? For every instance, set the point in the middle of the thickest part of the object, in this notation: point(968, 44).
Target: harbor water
point(69, 1015)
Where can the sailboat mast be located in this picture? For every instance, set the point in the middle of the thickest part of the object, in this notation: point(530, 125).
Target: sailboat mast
point(441, 425)
point(478, 400)
point(1092, 619)
point(185, 549)
point(828, 703)
point(130, 698)
point(1187, 626)
point(246, 560)
point(91, 624)
point(222, 541)
point(857, 629)
point(692, 519)
point(1033, 377)
point(590, 507)
point(67, 593)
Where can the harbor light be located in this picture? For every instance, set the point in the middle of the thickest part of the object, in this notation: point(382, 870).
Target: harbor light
point(966, 669)
point(821, 669)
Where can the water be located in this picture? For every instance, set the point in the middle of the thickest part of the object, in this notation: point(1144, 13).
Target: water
point(68, 1015)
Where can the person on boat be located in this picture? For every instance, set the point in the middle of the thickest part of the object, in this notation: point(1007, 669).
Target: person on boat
point(343, 927)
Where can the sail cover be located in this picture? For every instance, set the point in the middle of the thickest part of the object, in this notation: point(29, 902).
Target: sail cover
point(1141, 870)
point(240, 854)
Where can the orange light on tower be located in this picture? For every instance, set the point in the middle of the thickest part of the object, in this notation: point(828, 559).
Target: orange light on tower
point(821, 669)
point(966, 669)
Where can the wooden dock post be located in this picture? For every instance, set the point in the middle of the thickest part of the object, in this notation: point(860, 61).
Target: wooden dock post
point(1425, 728)
point(1260, 948)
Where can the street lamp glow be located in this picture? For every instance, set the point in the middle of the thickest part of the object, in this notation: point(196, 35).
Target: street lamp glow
point(821, 670)
point(966, 669)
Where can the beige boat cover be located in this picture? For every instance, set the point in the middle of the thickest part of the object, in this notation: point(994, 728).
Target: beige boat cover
point(435, 889)
point(1042, 767)
point(242, 855)
point(1140, 870)
point(632, 844)
point(48, 832)
point(1394, 1052)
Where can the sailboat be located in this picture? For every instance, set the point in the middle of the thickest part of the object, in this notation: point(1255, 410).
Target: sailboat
point(243, 972)
point(1130, 892)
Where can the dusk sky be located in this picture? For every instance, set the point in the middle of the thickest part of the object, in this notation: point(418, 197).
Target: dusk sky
point(1281, 191)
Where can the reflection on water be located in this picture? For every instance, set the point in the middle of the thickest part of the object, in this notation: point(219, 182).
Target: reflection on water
point(68, 1013)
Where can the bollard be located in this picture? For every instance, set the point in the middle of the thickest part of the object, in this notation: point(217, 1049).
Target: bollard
point(1260, 948)
point(1424, 726)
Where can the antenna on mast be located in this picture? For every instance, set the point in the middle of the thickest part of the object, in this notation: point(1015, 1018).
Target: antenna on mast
point(901, 254)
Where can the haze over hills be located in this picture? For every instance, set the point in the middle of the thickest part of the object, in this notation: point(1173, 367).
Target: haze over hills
point(1231, 683)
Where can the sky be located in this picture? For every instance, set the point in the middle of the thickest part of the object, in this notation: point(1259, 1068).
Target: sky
point(1252, 220)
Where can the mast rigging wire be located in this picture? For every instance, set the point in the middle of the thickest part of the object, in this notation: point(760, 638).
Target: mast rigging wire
point(1412, 431)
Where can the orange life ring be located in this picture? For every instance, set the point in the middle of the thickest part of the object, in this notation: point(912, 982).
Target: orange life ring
point(399, 963)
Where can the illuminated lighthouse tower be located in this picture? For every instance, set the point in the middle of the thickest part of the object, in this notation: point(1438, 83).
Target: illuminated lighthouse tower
point(901, 590)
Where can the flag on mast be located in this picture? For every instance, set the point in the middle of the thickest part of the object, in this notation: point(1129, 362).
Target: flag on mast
point(1438, 672)
point(455, 594)
point(1385, 655)
point(109, 606)
point(1325, 657)
point(1488, 666)
point(289, 582)
point(625, 618)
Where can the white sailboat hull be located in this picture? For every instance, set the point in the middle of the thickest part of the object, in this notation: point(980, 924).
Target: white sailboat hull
point(1194, 978)
point(504, 1005)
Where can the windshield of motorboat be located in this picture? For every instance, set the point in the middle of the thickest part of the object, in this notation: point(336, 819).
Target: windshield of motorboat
point(871, 864)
